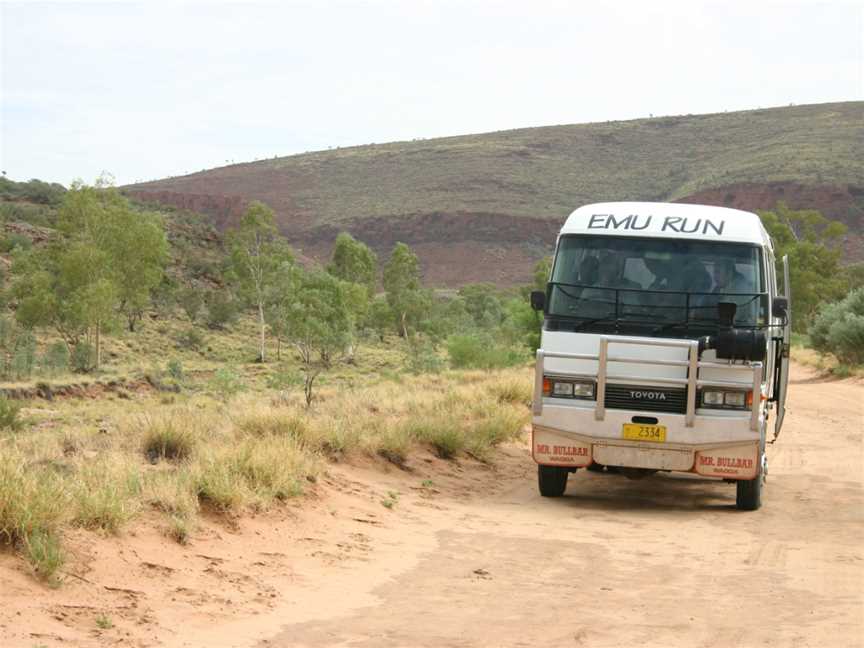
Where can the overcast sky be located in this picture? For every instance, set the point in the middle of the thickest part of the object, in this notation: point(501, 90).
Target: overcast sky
point(145, 91)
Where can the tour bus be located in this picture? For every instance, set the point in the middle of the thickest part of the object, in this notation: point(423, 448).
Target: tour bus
point(665, 346)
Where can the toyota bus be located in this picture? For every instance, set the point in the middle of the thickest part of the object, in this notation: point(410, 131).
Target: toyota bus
point(665, 346)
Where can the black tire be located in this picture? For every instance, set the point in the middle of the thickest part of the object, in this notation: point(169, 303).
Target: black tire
point(552, 480)
point(748, 496)
point(595, 467)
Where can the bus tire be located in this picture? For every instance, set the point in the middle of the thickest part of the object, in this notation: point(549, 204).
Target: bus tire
point(748, 496)
point(552, 480)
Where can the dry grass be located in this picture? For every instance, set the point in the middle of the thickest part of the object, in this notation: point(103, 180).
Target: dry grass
point(826, 363)
point(106, 494)
point(97, 464)
point(171, 437)
point(32, 505)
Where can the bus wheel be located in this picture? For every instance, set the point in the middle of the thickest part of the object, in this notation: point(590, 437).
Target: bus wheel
point(552, 480)
point(749, 494)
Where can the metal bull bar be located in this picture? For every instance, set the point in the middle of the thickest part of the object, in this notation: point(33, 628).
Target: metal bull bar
point(691, 382)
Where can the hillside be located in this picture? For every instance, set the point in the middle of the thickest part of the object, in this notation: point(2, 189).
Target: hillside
point(484, 207)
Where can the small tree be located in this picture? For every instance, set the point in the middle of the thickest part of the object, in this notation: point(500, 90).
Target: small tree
point(354, 262)
point(69, 288)
point(483, 305)
point(405, 296)
point(318, 324)
point(257, 254)
point(134, 243)
point(380, 317)
point(357, 265)
point(190, 301)
point(280, 300)
point(221, 309)
point(139, 253)
point(106, 259)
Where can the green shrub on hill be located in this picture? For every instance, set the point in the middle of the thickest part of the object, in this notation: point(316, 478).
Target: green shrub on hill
point(839, 328)
point(36, 191)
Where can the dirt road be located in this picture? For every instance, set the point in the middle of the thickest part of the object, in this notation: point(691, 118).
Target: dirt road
point(469, 556)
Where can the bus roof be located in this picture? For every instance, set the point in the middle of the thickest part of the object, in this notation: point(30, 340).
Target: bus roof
point(667, 220)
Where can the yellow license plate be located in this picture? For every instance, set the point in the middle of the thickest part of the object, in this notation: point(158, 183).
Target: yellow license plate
point(640, 432)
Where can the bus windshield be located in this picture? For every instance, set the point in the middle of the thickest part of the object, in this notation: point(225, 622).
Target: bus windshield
point(658, 287)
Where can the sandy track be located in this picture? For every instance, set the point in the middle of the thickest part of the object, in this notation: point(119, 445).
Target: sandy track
point(480, 559)
point(659, 562)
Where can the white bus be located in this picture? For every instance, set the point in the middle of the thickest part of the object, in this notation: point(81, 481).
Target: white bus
point(665, 346)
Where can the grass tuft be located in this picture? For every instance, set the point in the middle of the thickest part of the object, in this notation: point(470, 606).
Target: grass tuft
point(442, 433)
point(173, 438)
point(267, 422)
point(44, 551)
point(180, 529)
point(393, 444)
point(10, 414)
point(32, 503)
point(106, 495)
point(513, 391)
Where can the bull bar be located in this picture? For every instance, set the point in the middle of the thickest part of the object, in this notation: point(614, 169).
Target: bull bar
point(691, 382)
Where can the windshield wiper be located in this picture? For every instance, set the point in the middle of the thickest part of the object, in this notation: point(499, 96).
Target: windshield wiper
point(668, 326)
point(582, 325)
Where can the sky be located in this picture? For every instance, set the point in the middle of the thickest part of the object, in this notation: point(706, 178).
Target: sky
point(149, 90)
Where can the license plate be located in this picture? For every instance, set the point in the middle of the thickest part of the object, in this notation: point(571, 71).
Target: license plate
point(640, 432)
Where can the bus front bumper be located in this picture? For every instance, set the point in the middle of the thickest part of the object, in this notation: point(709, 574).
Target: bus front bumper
point(733, 459)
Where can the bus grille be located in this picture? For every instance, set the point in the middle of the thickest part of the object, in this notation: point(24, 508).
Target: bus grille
point(646, 399)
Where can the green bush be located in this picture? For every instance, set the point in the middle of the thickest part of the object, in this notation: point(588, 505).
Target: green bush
point(33, 190)
point(480, 351)
point(284, 378)
point(17, 350)
point(839, 328)
point(39, 215)
point(12, 241)
point(83, 357)
point(226, 383)
point(55, 360)
point(222, 310)
point(175, 369)
point(422, 357)
point(190, 340)
point(24, 360)
point(190, 301)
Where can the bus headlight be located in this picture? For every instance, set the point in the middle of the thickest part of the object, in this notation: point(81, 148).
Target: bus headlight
point(567, 388)
point(722, 399)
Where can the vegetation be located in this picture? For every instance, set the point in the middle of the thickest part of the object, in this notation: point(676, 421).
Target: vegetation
point(406, 299)
point(838, 328)
point(186, 419)
point(103, 262)
point(545, 172)
point(260, 263)
point(319, 324)
point(261, 454)
point(812, 243)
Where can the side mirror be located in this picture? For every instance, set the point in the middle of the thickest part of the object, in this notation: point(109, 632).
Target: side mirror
point(780, 307)
point(538, 300)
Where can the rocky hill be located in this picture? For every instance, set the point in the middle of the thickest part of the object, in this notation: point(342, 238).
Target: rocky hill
point(485, 207)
